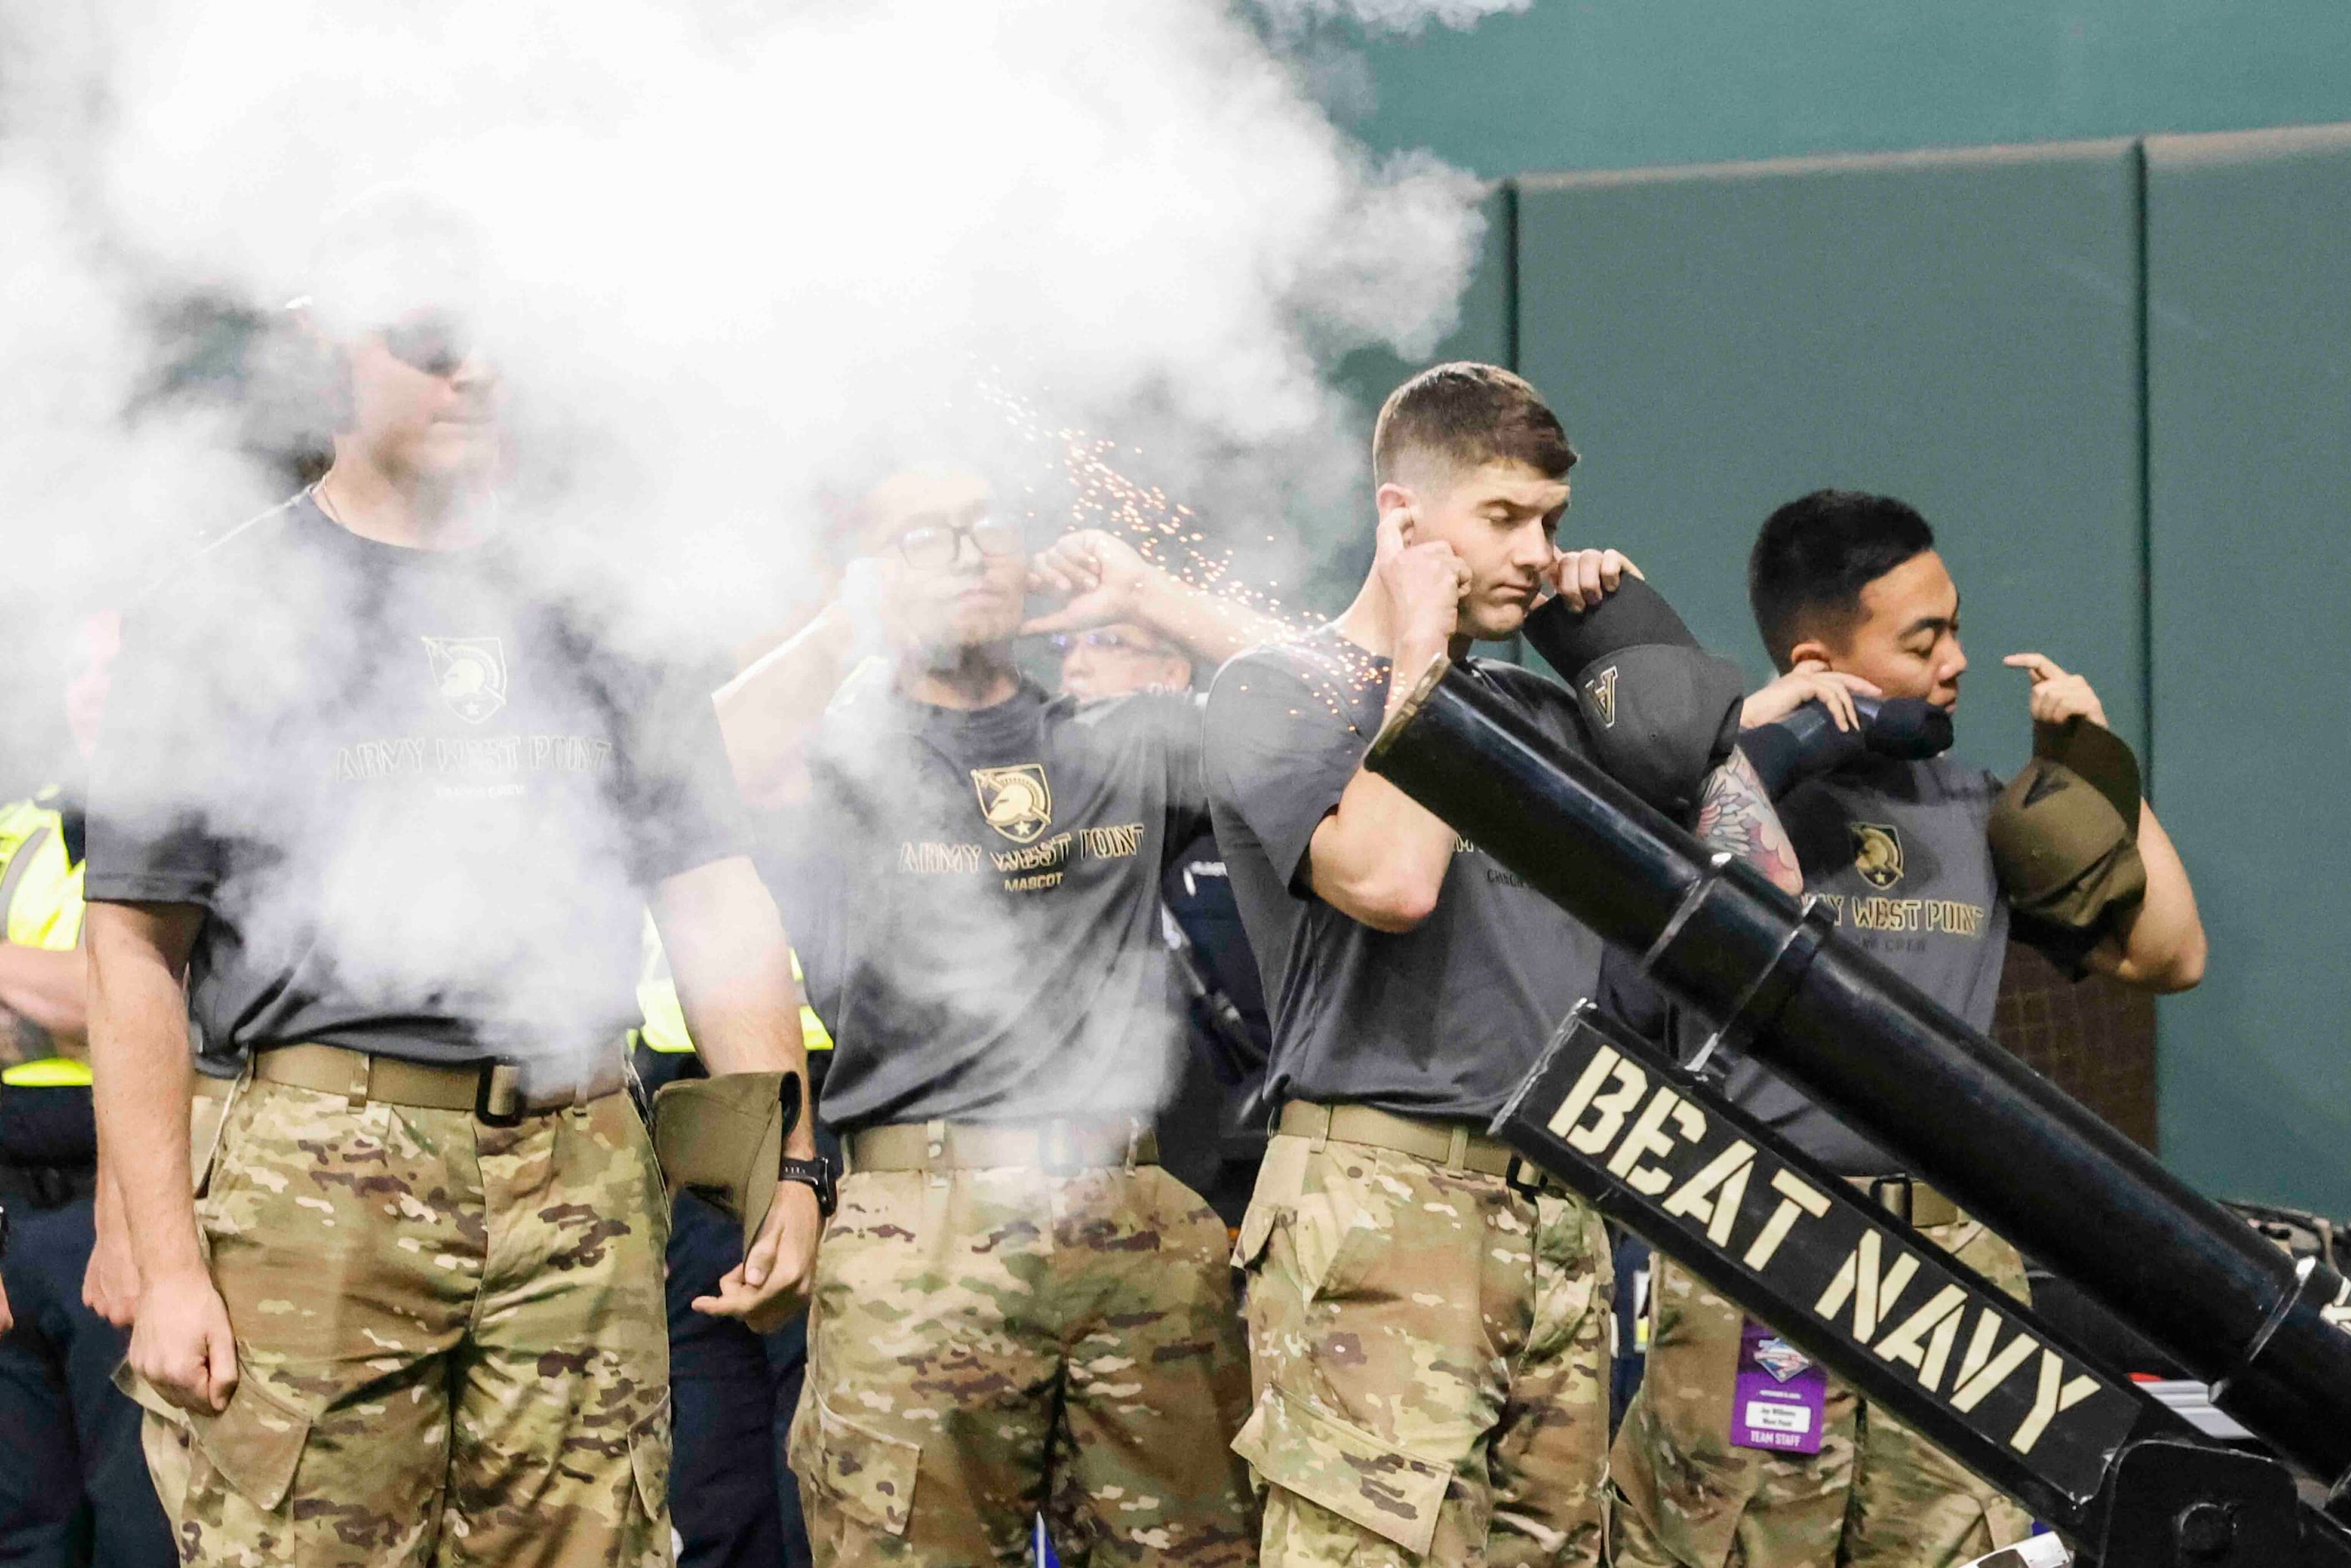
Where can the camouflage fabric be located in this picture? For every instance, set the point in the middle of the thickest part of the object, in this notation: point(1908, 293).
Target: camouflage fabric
point(985, 1344)
point(1877, 1495)
point(1429, 1349)
point(451, 1339)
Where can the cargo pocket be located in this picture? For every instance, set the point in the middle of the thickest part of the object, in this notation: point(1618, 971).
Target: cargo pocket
point(649, 1453)
point(1337, 1465)
point(1280, 1178)
point(869, 1476)
point(255, 1445)
point(1340, 1226)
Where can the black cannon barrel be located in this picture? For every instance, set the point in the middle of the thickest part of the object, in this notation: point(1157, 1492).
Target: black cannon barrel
point(2008, 1144)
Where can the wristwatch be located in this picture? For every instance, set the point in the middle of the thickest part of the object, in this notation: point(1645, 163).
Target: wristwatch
point(817, 1175)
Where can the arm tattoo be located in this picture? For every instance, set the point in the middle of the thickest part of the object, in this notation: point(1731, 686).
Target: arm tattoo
point(1734, 815)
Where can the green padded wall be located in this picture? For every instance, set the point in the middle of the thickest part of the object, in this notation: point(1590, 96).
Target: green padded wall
point(1961, 329)
point(1575, 84)
point(2250, 402)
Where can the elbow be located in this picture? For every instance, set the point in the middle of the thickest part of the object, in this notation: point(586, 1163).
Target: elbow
point(2181, 968)
point(1395, 907)
point(2185, 972)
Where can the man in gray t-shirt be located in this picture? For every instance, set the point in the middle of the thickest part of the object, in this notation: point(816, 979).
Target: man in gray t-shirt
point(1850, 597)
point(1428, 1335)
point(381, 802)
point(1016, 1310)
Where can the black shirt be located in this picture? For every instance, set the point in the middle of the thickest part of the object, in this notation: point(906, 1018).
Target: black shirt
point(985, 887)
point(1899, 853)
point(1442, 1020)
point(420, 799)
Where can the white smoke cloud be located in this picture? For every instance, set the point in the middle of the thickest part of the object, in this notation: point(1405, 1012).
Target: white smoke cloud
point(743, 247)
point(742, 255)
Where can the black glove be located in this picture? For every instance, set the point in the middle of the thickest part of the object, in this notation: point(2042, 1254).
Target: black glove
point(1808, 742)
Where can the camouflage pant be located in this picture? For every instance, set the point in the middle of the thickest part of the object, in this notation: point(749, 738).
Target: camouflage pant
point(1877, 1495)
point(451, 1339)
point(1430, 1351)
point(986, 1344)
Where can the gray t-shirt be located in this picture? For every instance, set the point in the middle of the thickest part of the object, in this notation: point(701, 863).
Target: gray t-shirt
point(983, 889)
point(1439, 1022)
point(1898, 852)
point(420, 799)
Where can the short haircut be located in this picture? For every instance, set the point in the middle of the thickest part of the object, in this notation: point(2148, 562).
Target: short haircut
point(1816, 554)
point(1467, 415)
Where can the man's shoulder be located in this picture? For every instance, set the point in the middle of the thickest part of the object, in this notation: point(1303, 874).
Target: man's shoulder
point(243, 556)
point(1338, 675)
point(1146, 714)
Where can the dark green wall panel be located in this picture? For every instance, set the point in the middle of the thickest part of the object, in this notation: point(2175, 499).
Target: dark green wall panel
point(2249, 266)
point(1580, 84)
point(1960, 329)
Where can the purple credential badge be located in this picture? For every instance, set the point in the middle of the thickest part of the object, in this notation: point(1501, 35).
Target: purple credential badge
point(1781, 1395)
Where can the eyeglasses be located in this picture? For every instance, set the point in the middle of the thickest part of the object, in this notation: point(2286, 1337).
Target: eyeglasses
point(433, 343)
point(1117, 642)
point(929, 547)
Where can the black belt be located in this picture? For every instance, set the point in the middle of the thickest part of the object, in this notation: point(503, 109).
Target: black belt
point(47, 1187)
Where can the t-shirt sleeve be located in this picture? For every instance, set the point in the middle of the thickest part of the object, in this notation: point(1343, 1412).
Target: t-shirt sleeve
point(156, 834)
point(683, 806)
point(1280, 755)
point(1178, 721)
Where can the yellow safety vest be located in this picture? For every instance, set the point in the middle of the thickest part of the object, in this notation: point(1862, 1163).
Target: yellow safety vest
point(40, 906)
point(664, 1025)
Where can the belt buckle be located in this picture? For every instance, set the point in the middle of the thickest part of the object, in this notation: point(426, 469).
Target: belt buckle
point(1880, 1185)
point(494, 1075)
point(1543, 1182)
point(1057, 1151)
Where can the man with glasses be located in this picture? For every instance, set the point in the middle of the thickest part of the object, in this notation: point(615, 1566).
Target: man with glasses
point(1016, 1310)
point(391, 810)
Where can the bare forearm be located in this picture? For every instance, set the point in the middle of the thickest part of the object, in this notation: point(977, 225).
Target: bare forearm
point(734, 971)
point(1735, 815)
point(768, 713)
point(46, 988)
point(1381, 857)
point(138, 1058)
point(2159, 946)
point(1212, 627)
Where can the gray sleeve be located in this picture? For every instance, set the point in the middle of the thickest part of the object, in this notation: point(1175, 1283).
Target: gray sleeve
point(1178, 723)
point(154, 837)
point(680, 799)
point(1280, 755)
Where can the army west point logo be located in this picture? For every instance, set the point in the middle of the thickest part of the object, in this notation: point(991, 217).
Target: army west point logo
point(1016, 801)
point(1602, 689)
point(1876, 853)
point(470, 673)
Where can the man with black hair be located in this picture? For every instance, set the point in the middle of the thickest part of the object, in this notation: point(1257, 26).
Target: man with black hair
point(1017, 1311)
point(1428, 1319)
point(1931, 867)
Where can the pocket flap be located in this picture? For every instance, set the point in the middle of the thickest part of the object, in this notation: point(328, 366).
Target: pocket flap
point(871, 1476)
point(254, 1444)
point(649, 1457)
point(1346, 1469)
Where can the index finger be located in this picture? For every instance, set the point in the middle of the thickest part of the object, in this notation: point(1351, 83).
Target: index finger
point(2041, 667)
